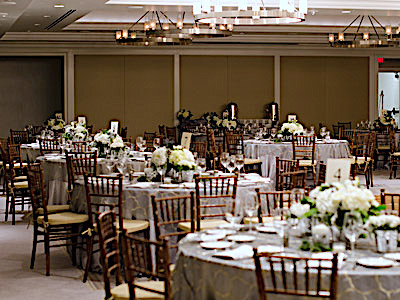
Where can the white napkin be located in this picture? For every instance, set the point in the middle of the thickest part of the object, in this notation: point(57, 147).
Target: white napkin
point(142, 185)
point(325, 264)
point(189, 185)
point(242, 252)
point(204, 237)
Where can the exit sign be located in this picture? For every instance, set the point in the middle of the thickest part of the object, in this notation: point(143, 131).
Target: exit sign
point(380, 60)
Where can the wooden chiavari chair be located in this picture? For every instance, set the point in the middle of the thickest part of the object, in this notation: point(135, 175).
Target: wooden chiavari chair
point(298, 281)
point(348, 135)
point(321, 174)
point(162, 131)
point(171, 135)
point(219, 139)
point(235, 145)
point(200, 148)
point(382, 147)
point(49, 146)
point(3, 157)
point(138, 260)
point(304, 151)
point(336, 130)
point(394, 156)
point(105, 193)
point(55, 227)
point(19, 136)
point(363, 151)
point(124, 132)
point(390, 200)
point(171, 214)
point(215, 150)
point(283, 167)
point(149, 137)
point(269, 202)
point(346, 125)
point(211, 196)
point(80, 147)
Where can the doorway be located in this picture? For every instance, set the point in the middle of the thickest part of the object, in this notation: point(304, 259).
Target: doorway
point(389, 93)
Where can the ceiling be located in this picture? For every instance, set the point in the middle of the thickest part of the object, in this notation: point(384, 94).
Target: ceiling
point(97, 20)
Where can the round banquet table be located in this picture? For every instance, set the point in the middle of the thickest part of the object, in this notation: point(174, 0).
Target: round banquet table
point(199, 275)
point(268, 151)
point(30, 150)
point(137, 201)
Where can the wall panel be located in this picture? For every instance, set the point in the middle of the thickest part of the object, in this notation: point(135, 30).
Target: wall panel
point(325, 89)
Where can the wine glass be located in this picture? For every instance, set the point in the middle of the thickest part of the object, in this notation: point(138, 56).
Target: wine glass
point(162, 170)
point(239, 161)
point(352, 224)
point(156, 143)
point(201, 162)
point(141, 143)
point(233, 211)
point(225, 159)
point(251, 207)
point(231, 164)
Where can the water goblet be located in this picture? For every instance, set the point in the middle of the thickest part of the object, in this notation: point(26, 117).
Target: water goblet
point(156, 143)
point(233, 211)
point(239, 161)
point(352, 225)
point(251, 207)
point(225, 159)
point(201, 163)
point(231, 164)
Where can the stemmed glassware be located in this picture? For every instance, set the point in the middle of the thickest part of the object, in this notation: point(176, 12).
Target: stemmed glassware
point(231, 164)
point(201, 163)
point(156, 143)
point(233, 211)
point(239, 161)
point(141, 143)
point(251, 207)
point(225, 159)
point(323, 132)
point(352, 225)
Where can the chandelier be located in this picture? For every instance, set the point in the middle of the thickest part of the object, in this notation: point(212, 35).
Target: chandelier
point(158, 29)
point(380, 37)
point(248, 12)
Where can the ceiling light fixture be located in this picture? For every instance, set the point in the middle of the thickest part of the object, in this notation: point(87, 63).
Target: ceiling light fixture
point(365, 39)
point(59, 5)
point(346, 11)
point(7, 2)
point(249, 12)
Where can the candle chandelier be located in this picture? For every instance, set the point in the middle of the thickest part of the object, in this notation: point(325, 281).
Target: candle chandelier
point(158, 29)
point(249, 12)
point(380, 36)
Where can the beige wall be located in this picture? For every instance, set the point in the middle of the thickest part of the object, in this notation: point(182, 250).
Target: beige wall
point(325, 89)
point(210, 82)
point(138, 90)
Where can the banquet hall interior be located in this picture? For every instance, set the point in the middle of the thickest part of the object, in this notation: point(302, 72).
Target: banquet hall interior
point(199, 149)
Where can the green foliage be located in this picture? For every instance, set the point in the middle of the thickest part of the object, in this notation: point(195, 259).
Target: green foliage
point(314, 247)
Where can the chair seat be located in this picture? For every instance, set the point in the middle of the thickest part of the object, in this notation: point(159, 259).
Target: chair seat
point(20, 185)
point(64, 218)
point(383, 148)
point(307, 163)
point(121, 292)
point(20, 178)
point(204, 224)
point(52, 209)
point(134, 225)
point(395, 154)
point(255, 220)
point(17, 165)
point(252, 161)
point(360, 160)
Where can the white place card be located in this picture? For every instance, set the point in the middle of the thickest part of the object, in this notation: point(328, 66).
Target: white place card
point(82, 120)
point(291, 118)
point(186, 140)
point(337, 170)
point(58, 116)
point(114, 126)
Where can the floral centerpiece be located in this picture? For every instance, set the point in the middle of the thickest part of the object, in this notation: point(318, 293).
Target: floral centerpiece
point(107, 141)
point(383, 222)
point(173, 161)
point(332, 201)
point(212, 119)
point(75, 132)
point(289, 129)
point(385, 119)
point(55, 124)
point(184, 115)
point(229, 124)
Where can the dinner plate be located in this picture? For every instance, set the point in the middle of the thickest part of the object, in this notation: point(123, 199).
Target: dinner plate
point(266, 229)
point(219, 231)
point(216, 245)
point(375, 262)
point(212, 237)
point(169, 186)
point(269, 249)
point(242, 238)
point(392, 256)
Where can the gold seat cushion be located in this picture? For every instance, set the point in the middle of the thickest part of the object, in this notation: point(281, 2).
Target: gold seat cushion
point(252, 161)
point(383, 147)
point(134, 225)
point(64, 218)
point(255, 220)
point(20, 178)
point(121, 292)
point(395, 154)
point(307, 163)
point(52, 209)
point(20, 185)
point(204, 224)
point(17, 165)
point(360, 160)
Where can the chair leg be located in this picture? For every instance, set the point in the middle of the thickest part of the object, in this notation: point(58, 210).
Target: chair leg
point(47, 251)
point(371, 177)
point(391, 169)
point(33, 255)
point(74, 240)
point(12, 209)
point(89, 257)
point(7, 205)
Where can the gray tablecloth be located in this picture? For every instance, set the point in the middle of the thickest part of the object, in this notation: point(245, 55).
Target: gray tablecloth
point(30, 150)
point(198, 275)
point(268, 151)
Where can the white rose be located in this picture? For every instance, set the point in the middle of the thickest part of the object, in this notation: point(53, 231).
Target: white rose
point(189, 155)
point(186, 114)
point(299, 209)
point(117, 143)
point(176, 156)
point(159, 157)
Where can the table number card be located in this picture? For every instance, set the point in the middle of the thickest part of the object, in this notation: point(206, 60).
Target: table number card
point(337, 170)
point(82, 120)
point(186, 139)
point(114, 126)
point(58, 116)
point(291, 118)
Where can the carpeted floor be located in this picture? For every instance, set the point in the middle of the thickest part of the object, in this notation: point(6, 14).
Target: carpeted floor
point(18, 281)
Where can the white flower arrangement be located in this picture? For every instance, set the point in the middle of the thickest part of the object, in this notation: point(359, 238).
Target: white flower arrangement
point(292, 127)
point(228, 124)
point(384, 222)
point(106, 140)
point(181, 159)
point(76, 132)
point(55, 124)
point(160, 157)
point(299, 210)
point(183, 115)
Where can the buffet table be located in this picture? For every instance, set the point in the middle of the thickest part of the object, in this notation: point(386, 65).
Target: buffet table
point(267, 151)
point(199, 275)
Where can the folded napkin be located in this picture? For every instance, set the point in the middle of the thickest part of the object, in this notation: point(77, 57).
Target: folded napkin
point(142, 185)
point(242, 252)
point(189, 185)
point(325, 264)
point(204, 237)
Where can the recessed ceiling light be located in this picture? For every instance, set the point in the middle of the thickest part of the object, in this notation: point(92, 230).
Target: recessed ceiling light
point(7, 2)
point(37, 24)
point(46, 16)
point(59, 5)
point(346, 11)
point(135, 7)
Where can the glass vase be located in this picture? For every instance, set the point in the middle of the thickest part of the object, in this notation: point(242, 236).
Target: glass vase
point(386, 240)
